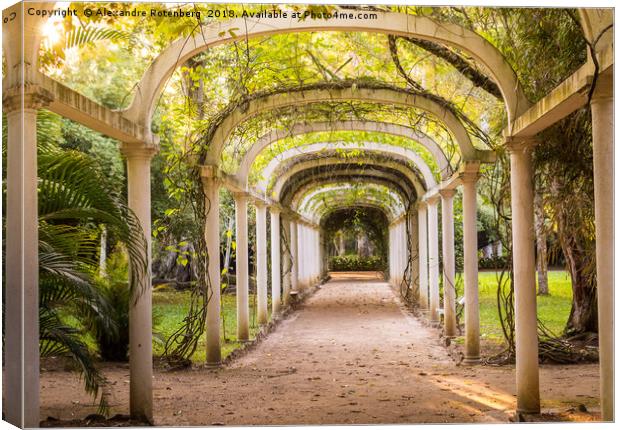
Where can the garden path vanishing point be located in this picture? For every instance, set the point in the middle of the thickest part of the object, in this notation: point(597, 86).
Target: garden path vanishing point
point(351, 355)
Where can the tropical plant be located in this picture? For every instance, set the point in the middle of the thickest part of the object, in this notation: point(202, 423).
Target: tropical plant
point(73, 201)
point(75, 198)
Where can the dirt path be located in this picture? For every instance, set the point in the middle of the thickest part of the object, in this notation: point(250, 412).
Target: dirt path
point(352, 354)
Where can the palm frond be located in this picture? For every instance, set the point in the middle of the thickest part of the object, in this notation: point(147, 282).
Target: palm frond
point(73, 191)
point(57, 338)
point(82, 35)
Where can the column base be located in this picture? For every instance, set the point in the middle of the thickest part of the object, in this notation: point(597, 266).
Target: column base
point(521, 415)
point(471, 361)
point(213, 365)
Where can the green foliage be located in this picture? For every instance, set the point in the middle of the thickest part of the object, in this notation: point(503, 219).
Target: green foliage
point(113, 345)
point(355, 263)
point(75, 199)
point(496, 262)
point(351, 222)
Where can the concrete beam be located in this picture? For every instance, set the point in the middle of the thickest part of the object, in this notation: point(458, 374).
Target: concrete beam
point(79, 108)
point(232, 184)
point(565, 99)
point(454, 181)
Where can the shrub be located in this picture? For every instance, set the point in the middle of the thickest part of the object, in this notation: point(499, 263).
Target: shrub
point(344, 263)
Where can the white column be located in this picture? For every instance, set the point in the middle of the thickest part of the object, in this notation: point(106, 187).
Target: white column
point(447, 248)
point(22, 260)
point(423, 254)
point(242, 283)
point(211, 187)
point(524, 268)
point(140, 311)
point(322, 259)
point(403, 249)
point(602, 107)
point(262, 315)
point(414, 256)
point(308, 245)
point(391, 253)
point(294, 259)
point(286, 261)
point(470, 268)
point(433, 258)
point(314, 256)
point(275, 260)
point(399, 232)
point(303, 257)
point(393, 246)
point(399, 253)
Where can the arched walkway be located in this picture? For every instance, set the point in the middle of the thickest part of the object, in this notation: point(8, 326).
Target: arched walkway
point(296, 255)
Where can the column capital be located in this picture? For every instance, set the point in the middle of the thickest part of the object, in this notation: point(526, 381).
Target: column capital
point(210, 176)
point(520, 144)
point(432, 200)
point(604, 89)
point(275, 210)
point(469, 177)
point(421, 205)
point(241, 195)
point(259, 203)
point(447, 193)
point(138, 151)
point(32, 96)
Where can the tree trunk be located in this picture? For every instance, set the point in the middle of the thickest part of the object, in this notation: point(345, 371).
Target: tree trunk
point(103, 248)
point(583, 315)
point(341, 244)
point(541, 246)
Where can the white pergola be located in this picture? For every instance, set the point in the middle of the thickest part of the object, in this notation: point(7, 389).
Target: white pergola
point(26, 90)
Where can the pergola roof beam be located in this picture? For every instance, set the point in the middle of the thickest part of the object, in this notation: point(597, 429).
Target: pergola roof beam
point(565, 99)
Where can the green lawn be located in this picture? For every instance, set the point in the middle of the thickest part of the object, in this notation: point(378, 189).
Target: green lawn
point(170, 307)
point(553, 310)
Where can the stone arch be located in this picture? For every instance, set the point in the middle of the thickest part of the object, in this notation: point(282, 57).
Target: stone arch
point(388, 180)
point(353, 125)
point(350, 206)
point(334, 194)
point(427, 174)
point(337, 202)
point(393, 165)
point(338, 92)
point(179, 51)
point(597, 23)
